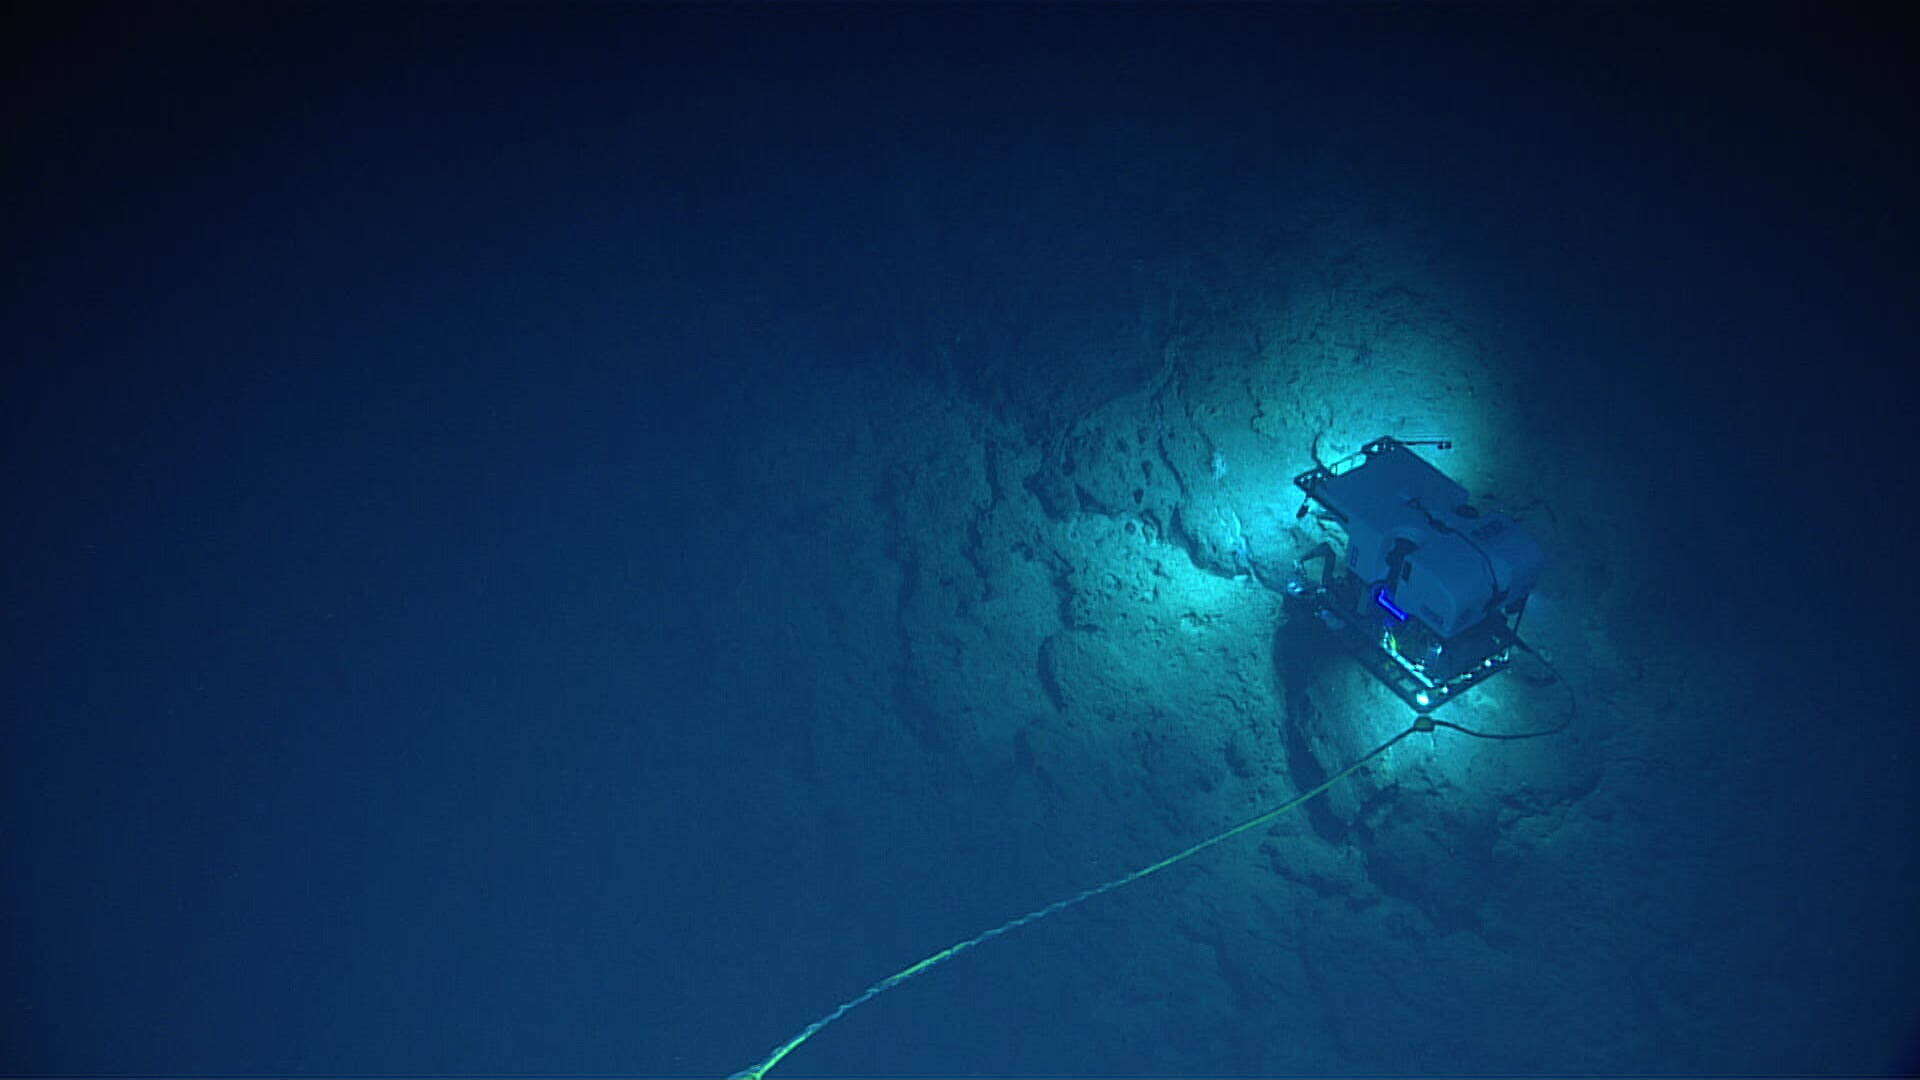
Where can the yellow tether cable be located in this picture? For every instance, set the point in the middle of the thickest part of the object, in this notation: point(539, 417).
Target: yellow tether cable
point(755, 1072)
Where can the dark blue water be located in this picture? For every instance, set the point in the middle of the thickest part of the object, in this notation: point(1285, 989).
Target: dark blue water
point(572, 543)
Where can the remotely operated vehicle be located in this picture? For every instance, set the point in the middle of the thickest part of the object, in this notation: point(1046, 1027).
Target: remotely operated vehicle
point(1422, 587)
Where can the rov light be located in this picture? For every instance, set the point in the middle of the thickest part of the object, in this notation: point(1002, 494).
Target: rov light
point(1423, 699)
point(1380, 597)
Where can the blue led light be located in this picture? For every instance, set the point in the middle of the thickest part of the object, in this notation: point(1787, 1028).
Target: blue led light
point(1380, 597)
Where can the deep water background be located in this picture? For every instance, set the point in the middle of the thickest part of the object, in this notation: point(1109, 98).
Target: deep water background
point(574, 542)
